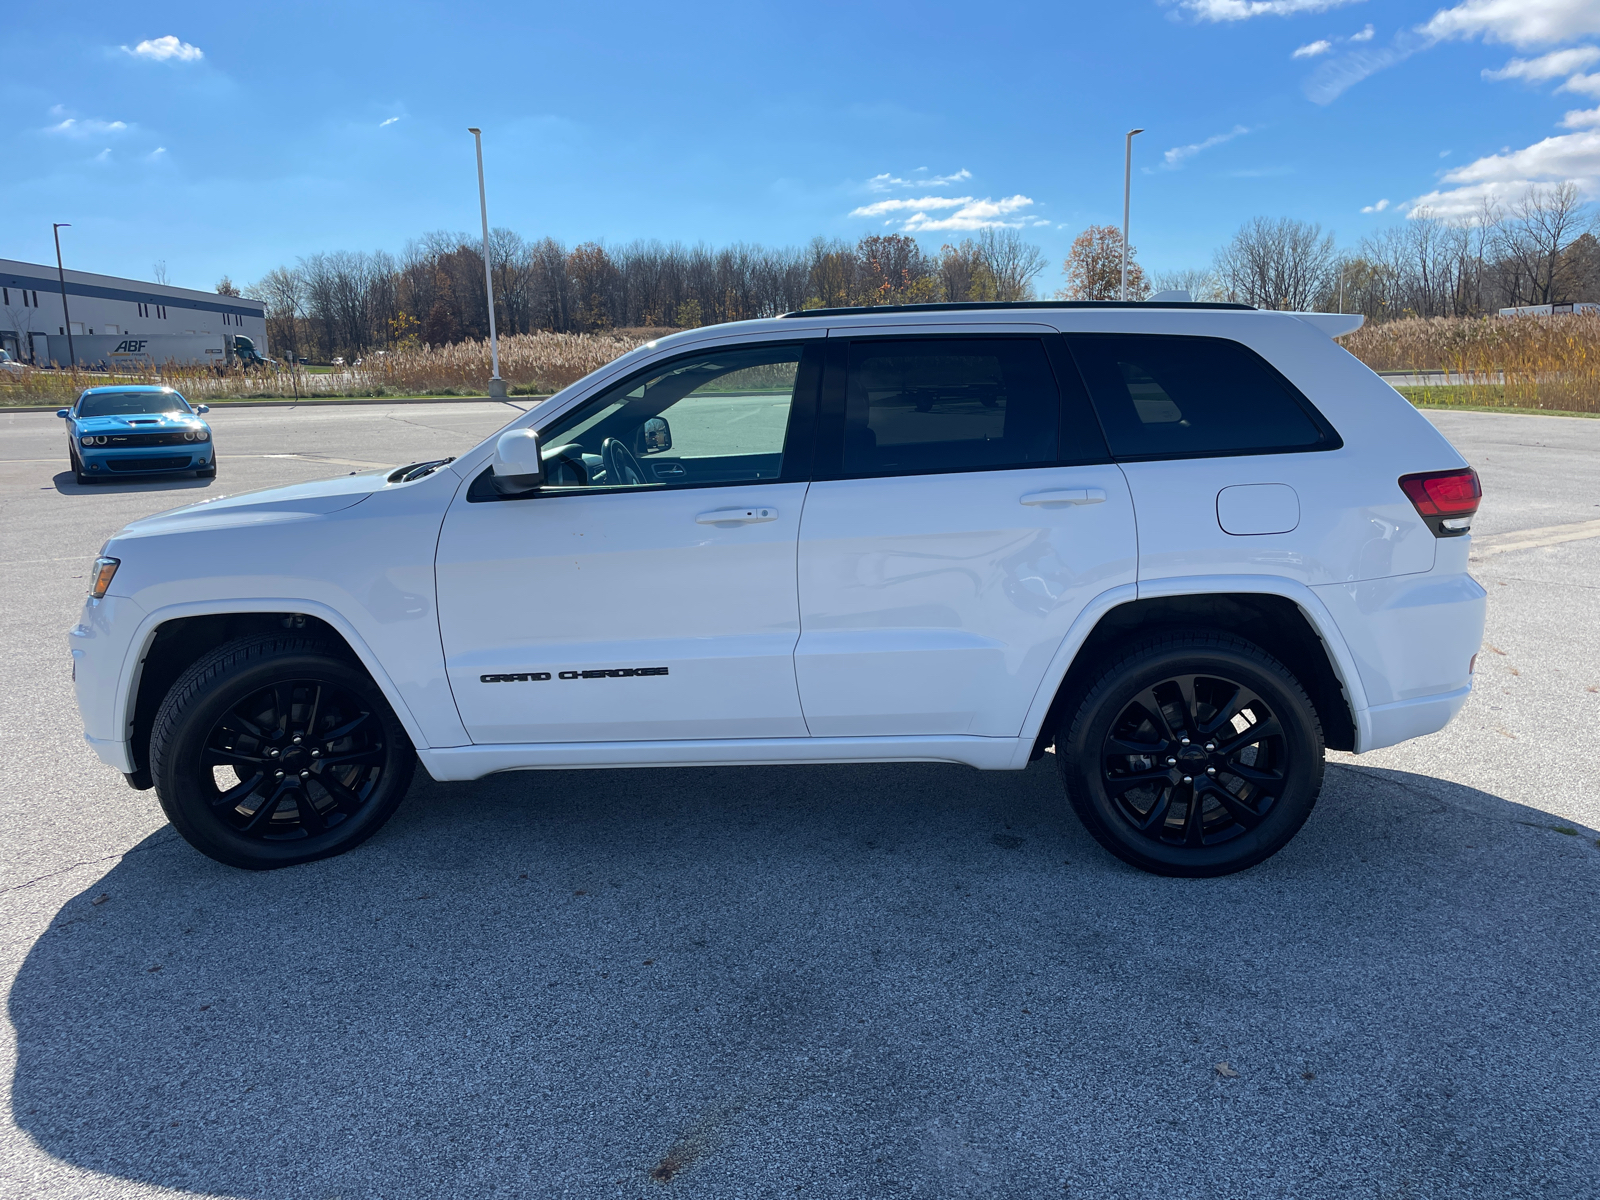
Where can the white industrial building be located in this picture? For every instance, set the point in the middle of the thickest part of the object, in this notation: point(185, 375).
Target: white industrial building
point(33, 325)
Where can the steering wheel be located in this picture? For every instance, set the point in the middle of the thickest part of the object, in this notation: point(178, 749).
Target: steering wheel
point(621, 466)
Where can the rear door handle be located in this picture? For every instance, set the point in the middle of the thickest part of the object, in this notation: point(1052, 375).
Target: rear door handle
point(1066, 496)
point(737, 516)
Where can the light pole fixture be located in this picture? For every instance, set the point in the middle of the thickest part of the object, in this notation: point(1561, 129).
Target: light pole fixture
point(1127, 189)
point(497, 386)
point(61, 274)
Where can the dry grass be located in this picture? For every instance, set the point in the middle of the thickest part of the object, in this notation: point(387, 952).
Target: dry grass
point(530, 364)
point(1527, 362)
point(1522, 362)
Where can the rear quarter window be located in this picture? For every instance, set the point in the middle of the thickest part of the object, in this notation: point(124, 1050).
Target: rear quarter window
point(1162, 396)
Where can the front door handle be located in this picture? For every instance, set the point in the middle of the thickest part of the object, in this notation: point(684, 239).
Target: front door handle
point(1066, 496)
point(737, 516)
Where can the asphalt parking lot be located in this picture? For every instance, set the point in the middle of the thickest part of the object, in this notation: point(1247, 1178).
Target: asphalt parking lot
point(891, 981)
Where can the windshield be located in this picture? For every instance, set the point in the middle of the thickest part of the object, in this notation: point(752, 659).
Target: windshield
point(127, 404)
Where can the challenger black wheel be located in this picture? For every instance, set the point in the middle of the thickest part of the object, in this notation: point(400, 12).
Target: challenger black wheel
point(273, 751)
point(78, 475)
point(1194, 755)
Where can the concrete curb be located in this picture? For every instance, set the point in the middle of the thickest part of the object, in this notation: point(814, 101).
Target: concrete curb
point(336, 402)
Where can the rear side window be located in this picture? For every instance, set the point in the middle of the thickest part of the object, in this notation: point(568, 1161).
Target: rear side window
point(949, 404)
point(1167, 397)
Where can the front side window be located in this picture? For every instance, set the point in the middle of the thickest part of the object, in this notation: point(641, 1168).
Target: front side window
point(922, 405)
point(718, 417)
point(1163, 396)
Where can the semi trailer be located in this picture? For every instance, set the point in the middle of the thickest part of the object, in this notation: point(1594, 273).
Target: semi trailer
point(110, 352)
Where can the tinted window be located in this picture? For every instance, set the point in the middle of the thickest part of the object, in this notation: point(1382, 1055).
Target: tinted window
point(130, 404)
point(718, 417)
point(1160, 395)
point(948, 404)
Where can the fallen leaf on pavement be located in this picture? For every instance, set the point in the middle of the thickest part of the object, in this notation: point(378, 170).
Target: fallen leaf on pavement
point(1226, 1071)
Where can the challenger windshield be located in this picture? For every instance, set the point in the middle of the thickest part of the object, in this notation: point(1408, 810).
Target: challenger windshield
point(130, 404)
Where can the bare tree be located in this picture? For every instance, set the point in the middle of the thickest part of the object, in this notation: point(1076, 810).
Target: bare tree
point(1284, 264)
point(1533, 242)
point(1013, 263)
point(158, 271)
point(1200, 282)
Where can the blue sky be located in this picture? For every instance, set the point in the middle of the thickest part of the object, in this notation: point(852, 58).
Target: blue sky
point(234, 138)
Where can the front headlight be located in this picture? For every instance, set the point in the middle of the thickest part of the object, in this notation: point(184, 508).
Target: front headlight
point(105, 570)
point(202, 435)
point(86, 440)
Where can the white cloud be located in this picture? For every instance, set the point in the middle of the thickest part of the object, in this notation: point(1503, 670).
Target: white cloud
point(1243, 10)
point(1175, 157)
point(1522, 23)
point(72, 127)
point(390, 121)
point(1312, 49)
point(1364, 36)
point(1376, 208)
point(1568, 157)
point(967, 212)
point(1586, 84)
point(104, 155)
point(1518, 22)
point(165, 49)
point(1546, 66)
point(155, 155)
point(887, 182)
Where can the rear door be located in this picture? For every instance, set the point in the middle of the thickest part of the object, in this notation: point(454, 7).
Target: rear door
point(965, 510)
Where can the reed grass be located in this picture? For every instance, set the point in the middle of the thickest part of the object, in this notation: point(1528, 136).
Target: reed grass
point(533, 363)
point(1535, 363)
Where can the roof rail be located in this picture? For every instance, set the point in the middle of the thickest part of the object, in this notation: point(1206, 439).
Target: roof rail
point(985, 305)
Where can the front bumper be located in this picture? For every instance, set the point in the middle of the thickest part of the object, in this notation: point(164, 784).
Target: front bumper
point(146, 460)
point(101, 659)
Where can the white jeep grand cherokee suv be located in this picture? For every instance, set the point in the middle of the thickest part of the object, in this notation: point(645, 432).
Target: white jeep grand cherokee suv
point(1185, 546)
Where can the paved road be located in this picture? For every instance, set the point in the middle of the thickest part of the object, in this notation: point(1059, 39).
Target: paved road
point(865, 981)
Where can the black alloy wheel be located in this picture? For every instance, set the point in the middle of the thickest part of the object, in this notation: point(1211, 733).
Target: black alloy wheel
point(79, 475)
point(305, 755)
point(274, 751)
point(1197, 755)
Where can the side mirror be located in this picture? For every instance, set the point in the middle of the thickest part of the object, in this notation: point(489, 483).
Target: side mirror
point(204, 408)
point(63, 412)
point(657, 435)
point(518, 466)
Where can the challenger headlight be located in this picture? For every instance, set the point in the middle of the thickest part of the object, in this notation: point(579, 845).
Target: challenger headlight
point(188, 435)
point(86, 440)
point(202, 435)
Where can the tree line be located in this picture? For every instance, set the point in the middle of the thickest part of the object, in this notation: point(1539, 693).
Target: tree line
point(352, 303)
point(1539, 249)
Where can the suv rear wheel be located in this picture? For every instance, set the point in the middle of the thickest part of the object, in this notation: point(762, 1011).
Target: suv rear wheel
point(273, 751)
point(1193, 755)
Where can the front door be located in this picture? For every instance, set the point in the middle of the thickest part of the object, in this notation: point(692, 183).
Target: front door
point(972, 513)
point(648, 590)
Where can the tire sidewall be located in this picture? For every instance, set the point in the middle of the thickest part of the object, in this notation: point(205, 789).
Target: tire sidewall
point(178, 775)
point(1110, 696)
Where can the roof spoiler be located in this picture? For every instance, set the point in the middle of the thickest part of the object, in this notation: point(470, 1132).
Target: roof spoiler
point(1333, 324)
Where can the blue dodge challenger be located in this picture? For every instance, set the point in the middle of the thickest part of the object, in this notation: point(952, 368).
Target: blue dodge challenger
point(136, 430)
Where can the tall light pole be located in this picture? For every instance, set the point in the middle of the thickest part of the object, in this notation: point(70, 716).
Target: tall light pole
point(497, 386)
point(61, 274)
point(1127, 189)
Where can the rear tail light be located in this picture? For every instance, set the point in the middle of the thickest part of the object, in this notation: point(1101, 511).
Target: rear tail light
point(1445, 500)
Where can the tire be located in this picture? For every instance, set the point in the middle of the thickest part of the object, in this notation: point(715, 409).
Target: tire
point(1134, 780)
point(78, 475)
point(311, 757)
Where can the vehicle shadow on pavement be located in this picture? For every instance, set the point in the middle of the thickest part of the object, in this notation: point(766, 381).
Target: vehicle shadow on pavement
point(67, 485)
point(851, 981)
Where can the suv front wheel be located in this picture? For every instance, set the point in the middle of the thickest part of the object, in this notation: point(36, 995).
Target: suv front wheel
point(273, 750)
point(1194, 755)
